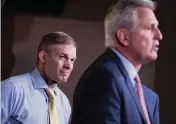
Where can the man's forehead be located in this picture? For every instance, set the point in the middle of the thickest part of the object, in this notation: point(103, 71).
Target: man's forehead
point(67, 49)
point(147, 15)
point(143, 12)
point(61, 46)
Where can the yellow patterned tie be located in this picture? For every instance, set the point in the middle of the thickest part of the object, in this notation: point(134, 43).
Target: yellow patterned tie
point(52, 106)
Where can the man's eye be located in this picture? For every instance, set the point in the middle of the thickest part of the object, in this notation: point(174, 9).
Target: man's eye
point(149, 27)
point(62, 57)
point(72, 60)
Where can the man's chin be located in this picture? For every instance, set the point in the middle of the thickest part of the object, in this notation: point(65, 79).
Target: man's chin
point(63, 80)
point(154, 57)
point(150, 59)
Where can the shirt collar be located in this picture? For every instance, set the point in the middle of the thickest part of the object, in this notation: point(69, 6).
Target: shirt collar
point(128, 65)
point(38, 81)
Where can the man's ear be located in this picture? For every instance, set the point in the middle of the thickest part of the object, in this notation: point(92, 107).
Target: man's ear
point(42, 56)
point(123, 36)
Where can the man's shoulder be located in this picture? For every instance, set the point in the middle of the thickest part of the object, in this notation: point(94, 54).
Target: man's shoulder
point(150, 92)
point(61, 93)
point(62, 97)
point(15, 85)
point(17, 79)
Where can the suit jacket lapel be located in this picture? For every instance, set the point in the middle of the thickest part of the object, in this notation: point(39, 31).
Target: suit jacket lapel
point(149, 103)
point(128, 82)
point(135, 98)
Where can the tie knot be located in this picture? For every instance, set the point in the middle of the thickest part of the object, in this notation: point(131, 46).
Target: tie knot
point(137, 79)
point(50, 93)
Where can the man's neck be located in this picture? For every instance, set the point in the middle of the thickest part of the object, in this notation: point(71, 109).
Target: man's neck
point(129, 57)
point(49, 82)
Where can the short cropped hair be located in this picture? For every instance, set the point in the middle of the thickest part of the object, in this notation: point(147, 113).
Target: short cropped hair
point(55, 38)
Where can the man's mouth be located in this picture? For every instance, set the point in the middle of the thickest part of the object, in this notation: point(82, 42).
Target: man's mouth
point(64, 73)
point(156, 49)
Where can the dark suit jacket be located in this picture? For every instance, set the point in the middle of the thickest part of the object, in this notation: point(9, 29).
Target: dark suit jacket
point(105, 95)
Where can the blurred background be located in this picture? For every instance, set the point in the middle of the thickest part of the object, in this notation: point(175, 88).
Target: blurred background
point(23, 23)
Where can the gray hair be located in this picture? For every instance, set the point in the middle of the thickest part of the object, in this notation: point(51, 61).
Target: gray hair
point(122, 15)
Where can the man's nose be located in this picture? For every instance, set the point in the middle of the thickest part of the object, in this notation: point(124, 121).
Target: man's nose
point(158, 34)
point(67, 64)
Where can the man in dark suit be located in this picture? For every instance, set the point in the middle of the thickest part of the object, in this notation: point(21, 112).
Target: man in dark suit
point(110, 90)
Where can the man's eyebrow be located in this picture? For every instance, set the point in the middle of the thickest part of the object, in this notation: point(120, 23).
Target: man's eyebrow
point(67, 55)
point(61, 53)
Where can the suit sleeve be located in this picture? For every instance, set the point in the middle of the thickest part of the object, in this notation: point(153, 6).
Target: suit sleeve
point(156, 112)
point(100, 101)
